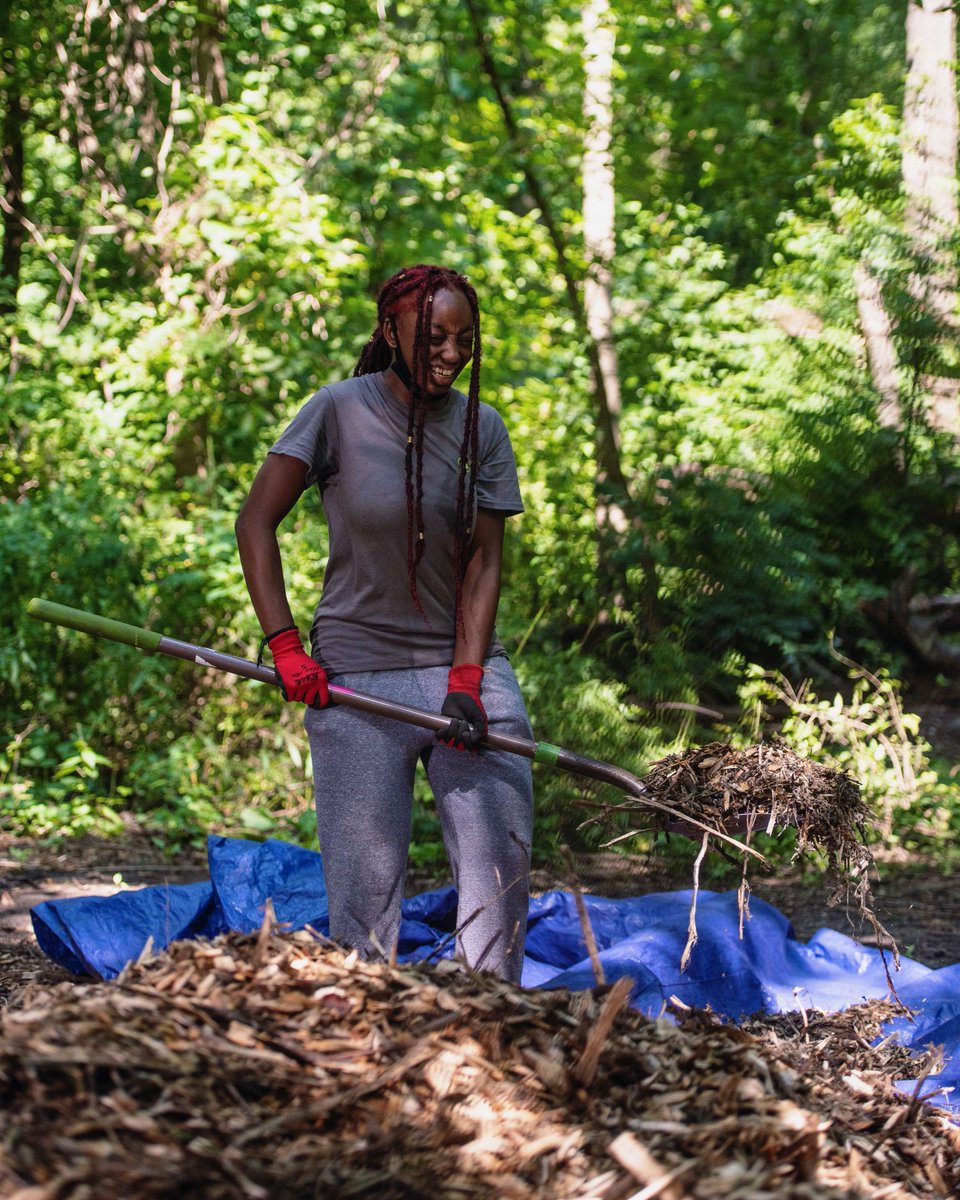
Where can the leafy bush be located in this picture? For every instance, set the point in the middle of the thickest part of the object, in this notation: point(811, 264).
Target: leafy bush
point(865, 732)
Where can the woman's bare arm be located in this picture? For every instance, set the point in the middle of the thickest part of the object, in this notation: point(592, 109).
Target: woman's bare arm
point(279, 484)
point(481, 588)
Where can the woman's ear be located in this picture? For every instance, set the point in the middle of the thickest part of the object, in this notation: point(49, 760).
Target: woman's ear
point(390, 332)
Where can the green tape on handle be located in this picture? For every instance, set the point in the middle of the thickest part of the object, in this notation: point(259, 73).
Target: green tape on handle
point(545, 753)
point(75, 618)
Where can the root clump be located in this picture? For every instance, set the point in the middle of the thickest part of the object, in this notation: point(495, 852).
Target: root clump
point(769, 788)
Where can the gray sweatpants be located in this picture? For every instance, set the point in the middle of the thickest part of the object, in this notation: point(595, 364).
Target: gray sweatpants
point(363, 770)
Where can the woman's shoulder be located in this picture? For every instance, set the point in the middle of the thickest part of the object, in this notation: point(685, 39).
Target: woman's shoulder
point(336, 392)
point(351, 386)
point(330, 398)
point(492, 424)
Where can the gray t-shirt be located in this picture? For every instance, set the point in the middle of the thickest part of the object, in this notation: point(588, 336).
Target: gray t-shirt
point(352, 437)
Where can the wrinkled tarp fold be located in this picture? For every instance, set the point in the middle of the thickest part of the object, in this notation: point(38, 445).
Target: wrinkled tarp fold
point(765, 970)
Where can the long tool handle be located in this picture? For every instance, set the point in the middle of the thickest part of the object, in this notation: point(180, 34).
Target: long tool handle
point(541, 752)
point(155, 643)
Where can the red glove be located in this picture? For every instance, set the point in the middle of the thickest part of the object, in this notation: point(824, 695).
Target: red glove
point(468, 723)
point(301, 678)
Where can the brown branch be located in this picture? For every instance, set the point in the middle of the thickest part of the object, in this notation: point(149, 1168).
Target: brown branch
point(166, 142)
point(74, 294)
point(608, 455)
point(64, 272)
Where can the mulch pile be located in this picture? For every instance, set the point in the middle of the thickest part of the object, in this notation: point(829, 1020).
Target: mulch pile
point(767, 788)
point(774, 788)
point(280, 1066)
point(23, 963)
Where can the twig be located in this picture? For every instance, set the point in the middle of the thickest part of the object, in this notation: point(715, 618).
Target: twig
point(585, 1070)
point(743, 891)
point(266, 931)
point(440, 946)
point(686, 820)
point(585, 925)
point(75, 293)
point(692, 922)
point(682, 706)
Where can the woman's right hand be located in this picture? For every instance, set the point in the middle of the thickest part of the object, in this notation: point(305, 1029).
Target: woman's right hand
point(301, 677)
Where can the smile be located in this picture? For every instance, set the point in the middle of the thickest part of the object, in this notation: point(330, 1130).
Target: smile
point(442, 374)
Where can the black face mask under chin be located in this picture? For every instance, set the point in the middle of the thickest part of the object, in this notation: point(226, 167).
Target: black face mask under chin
point(401, 370)
point(399, 364)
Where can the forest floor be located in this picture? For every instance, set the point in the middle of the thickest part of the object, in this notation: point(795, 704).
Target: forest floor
point(825, 1077)
point(915, 901)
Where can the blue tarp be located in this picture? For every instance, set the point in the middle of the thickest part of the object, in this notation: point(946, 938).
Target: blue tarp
point(767, 970)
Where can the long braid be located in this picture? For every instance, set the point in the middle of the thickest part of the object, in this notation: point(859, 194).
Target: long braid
point(413, 434)
point(417, 286)
point(469, 451)
point(421, 358)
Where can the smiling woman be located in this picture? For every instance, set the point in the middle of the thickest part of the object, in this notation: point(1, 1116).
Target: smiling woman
point(429, 316)
point(417, 480)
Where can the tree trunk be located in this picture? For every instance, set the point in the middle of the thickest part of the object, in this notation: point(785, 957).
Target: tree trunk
point(209, 74)
point(613, 499)
point(930, 179)
point(922, 623)
point(599, 237)
point(11, 176)
point(607, 442)
point(881, 351)
point(599, 41)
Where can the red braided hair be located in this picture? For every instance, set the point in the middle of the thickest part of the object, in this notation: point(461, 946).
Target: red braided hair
point(417, 286)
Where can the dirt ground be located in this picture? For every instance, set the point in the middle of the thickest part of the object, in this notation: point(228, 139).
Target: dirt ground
point(918, 904)
point(915, 900)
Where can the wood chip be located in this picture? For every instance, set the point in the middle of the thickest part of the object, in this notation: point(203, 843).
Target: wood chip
point(276, 1065)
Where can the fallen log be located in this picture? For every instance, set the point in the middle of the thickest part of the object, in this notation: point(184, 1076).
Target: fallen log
point(919, 622)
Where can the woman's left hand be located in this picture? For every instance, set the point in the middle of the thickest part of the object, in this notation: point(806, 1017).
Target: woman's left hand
point(468, 720)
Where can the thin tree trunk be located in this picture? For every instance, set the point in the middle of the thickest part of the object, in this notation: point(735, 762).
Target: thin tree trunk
point(613, 497)
point(930, 178)
point(599, 39)
point(608, 457)
point(11, 177)
point(881, 351)
point(599, 236)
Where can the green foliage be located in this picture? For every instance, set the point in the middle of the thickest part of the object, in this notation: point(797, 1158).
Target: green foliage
point(199, 264)
point(50, 787)
point(863, 731)
point(724, 105)
point(572, 704)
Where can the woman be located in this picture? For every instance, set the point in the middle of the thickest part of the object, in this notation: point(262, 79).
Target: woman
point(417, 480)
